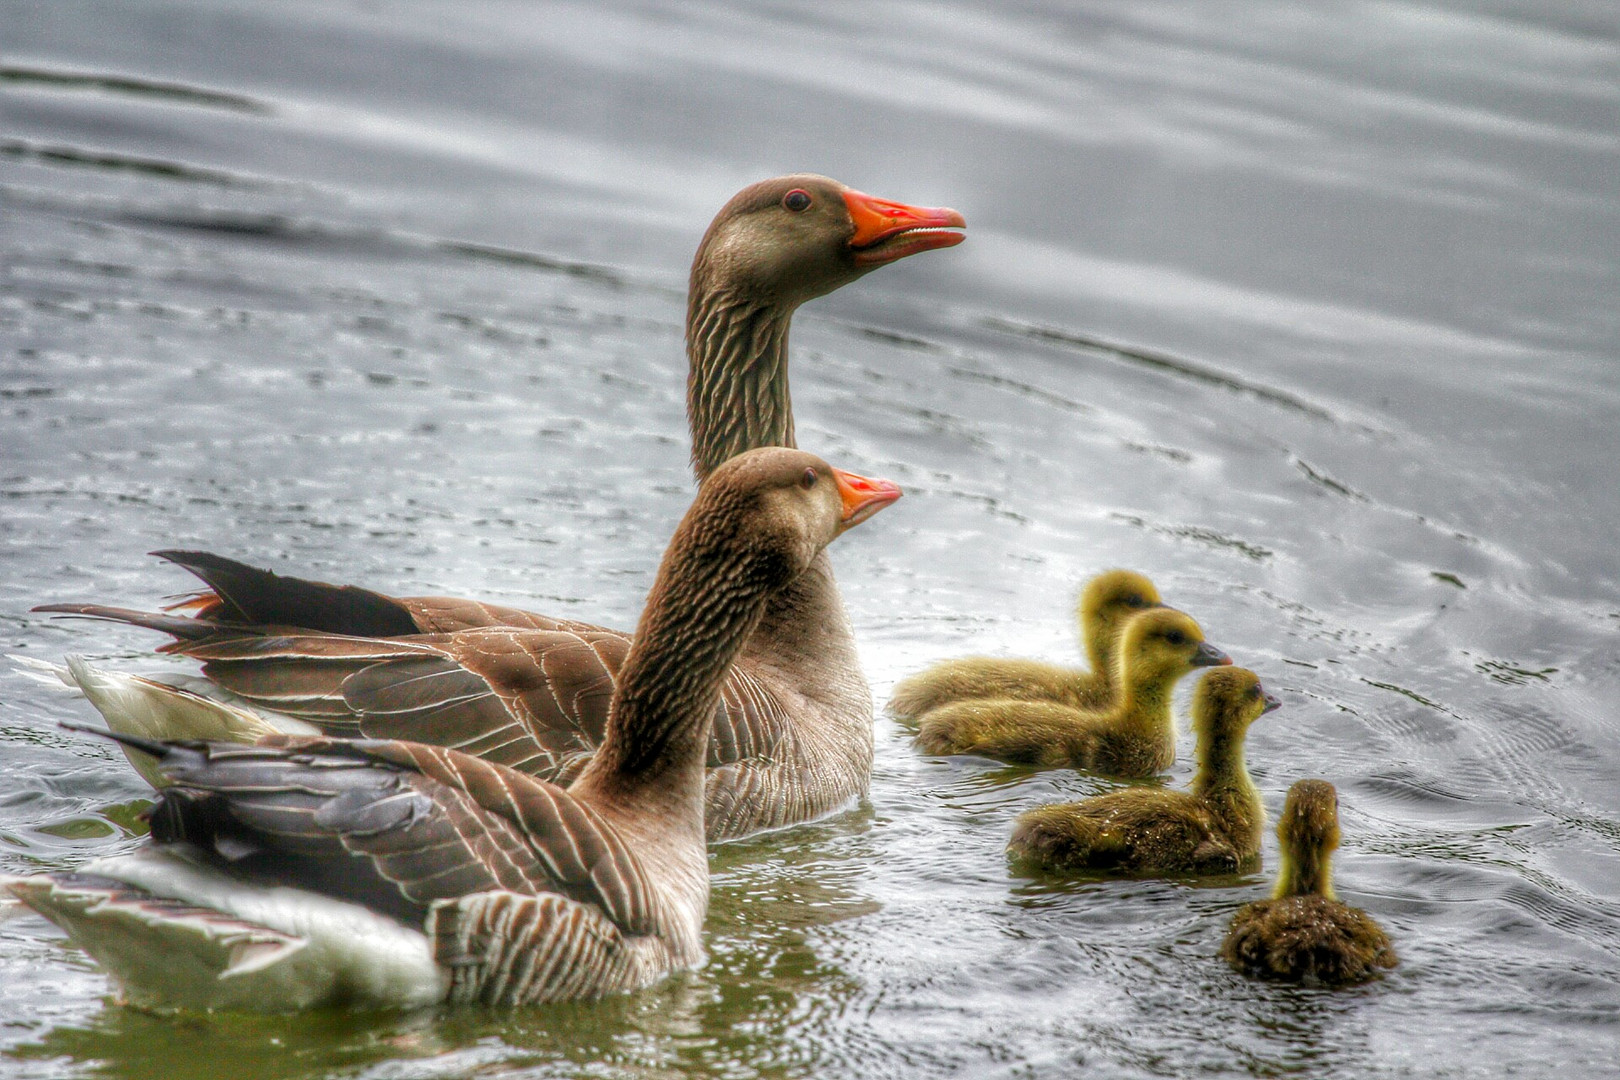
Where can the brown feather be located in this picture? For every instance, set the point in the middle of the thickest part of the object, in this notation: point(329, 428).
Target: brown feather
point(752, 270)
point(1308, 939)
point(1304, 933)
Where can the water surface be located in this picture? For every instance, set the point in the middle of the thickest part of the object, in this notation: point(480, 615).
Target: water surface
point(1307, 311)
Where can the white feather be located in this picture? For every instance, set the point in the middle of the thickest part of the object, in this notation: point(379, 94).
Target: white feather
point(43, 671)
point(169, 706)
point(260, 948)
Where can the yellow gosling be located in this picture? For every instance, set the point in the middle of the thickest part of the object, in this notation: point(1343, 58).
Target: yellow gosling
point(1107, 601)
point(1304, 933)
point(1212, 829)
point(1135, 737)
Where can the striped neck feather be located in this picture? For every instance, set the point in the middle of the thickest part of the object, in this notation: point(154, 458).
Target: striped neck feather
point(710, 594)
point(737, 387)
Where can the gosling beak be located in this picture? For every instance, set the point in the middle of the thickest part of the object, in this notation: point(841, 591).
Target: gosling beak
point(1272, 701)
point(862, 497)
point(1209, 656)
point(886, 231)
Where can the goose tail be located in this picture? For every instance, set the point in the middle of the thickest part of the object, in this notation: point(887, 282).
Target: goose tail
point(162, 708)
point(160, 951)
point(174, 932)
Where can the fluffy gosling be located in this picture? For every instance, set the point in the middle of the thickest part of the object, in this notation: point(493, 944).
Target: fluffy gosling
point(1304, 933)
point(1107, 601)
point(1134, 737)
point(1212, 829)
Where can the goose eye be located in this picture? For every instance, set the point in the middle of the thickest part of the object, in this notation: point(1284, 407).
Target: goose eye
point(1254, 691)
point(1134, 600)
point(796, 200)
point(1176, 637)
point(808, 480)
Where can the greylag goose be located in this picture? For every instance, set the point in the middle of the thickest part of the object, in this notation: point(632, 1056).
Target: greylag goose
point(1304, 933)
point(793, 738)
point(1105, 603)
point(1135, 736)
point(307, 871)
point(1212, 829)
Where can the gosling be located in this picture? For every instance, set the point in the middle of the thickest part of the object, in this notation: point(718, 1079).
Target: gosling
point(1107, 601)
point(1135, 737)
point(1212, 829)
point(1304, 933)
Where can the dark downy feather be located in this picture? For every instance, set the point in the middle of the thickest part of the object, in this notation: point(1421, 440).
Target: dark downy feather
point(1308, 939)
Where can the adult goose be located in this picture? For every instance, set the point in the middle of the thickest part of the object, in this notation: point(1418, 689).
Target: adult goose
point(792, 740)
point(306, 871)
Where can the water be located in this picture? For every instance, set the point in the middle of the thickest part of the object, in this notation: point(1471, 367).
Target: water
point(1307, 311)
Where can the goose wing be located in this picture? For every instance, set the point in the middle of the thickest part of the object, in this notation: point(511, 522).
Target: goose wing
point(750, 723)
point(397, 827)
point(534, 700)
point(247, 595)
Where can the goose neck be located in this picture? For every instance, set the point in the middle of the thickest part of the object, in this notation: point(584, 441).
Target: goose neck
point(737, 383)
point(805, 626)
point(1145, 700)
point(707, 601)
point(1100, 639)
point(1222, 780)
point(1304, 873)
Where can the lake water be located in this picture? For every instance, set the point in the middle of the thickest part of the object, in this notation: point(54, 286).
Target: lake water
point(1308, 311)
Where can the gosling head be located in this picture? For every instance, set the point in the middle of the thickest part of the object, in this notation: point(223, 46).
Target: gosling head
point(1228, 700)
point(1112, 597)
point(1164, 644)
point(1309, 833)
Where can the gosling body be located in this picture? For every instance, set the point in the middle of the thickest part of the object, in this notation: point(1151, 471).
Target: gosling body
point(1214, 828)
point(1304, 933)
point(1135, 737)
point(1107, 601)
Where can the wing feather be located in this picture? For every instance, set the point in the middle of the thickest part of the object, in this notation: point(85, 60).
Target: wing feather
point(514, 687)
point(396, 826)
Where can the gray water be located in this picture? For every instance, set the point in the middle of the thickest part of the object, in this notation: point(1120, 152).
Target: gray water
point(1308, 311)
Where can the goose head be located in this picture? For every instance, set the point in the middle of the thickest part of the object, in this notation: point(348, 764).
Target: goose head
point(793, 238)
point(787, 505)
point(1106, 602)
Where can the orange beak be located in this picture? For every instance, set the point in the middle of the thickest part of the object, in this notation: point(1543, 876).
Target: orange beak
point(862, 497)
point(886, 231)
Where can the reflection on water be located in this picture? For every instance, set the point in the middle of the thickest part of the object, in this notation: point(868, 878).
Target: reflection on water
point(1307, 314)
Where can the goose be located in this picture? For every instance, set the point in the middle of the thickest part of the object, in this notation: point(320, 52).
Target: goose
point(792, 740)
point(1105, 603)
point(305, 871)
point(1304, 933)
point(1212, 829)
point(1134, 737)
